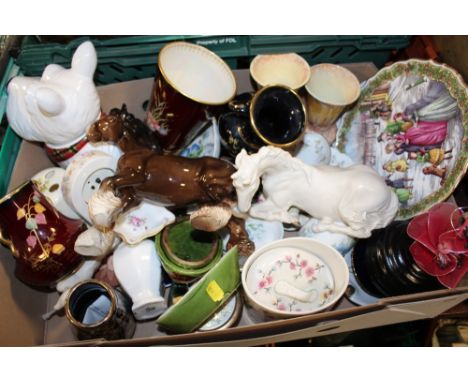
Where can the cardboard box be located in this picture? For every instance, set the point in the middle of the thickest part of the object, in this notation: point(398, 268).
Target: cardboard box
point(21, 307)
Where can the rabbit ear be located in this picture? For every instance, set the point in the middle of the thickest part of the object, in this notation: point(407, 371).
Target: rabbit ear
point(84, 60)
point(49, 101)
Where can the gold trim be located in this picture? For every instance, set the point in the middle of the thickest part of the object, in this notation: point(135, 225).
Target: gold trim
point(111, 312)
point(206, 51)
point(254, 126)
point(253, 70)
point(15, 191)
point(5, 241)
point(235, 316)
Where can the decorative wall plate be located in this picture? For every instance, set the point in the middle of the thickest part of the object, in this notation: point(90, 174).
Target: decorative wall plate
point(411, 125)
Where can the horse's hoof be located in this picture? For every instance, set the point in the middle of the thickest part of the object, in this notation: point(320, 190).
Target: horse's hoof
point(244, 247)
point(210, 218)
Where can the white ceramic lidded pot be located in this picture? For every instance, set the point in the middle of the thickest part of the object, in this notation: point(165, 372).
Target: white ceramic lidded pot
point(138, 270)
point(294, 276)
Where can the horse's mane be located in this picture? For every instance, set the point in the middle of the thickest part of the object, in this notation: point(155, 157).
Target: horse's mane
point(283, 157)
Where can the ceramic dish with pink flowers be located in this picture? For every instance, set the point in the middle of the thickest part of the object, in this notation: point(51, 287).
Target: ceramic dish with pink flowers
point(294, 276)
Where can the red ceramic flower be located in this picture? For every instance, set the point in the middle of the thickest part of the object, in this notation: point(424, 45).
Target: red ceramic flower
point(441, 242)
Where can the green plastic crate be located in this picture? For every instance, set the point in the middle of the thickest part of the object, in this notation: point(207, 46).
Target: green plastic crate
point(332, 49)
point(134, 57)
point(10, 142)
point(124, 58)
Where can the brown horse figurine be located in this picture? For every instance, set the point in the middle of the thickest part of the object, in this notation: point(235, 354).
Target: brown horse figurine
point(172, 181)
point(126, 131)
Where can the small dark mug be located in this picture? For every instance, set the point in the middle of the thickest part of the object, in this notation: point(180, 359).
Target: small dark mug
point(189, 78)
point(112, 322)
point(274, 116)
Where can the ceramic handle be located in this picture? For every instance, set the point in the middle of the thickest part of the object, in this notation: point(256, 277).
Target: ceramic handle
point(288, 290)
point(241, 103)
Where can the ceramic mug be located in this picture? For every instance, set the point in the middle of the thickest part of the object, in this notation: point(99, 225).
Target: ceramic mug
point(274, 116)
point(189, 78)
point(40, 238)
point(96, 310)
point(331, 89)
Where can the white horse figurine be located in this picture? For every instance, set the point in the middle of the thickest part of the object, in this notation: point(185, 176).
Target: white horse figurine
point(353, 200)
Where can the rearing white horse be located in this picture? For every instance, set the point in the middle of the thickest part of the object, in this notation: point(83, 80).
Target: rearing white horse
point(353, 200)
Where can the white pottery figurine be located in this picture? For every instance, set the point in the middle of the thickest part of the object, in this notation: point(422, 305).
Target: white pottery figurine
point(58, 107)
point(356, 196)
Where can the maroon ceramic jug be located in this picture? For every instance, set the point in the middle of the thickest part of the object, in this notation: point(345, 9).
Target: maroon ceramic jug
point(40, 238)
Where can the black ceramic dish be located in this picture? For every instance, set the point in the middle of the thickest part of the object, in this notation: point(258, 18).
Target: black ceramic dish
point(384, 267)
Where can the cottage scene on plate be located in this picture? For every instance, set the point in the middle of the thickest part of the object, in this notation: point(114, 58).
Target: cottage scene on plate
point(224, 207)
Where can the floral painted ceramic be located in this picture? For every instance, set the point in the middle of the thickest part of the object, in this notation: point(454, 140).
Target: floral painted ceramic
point(41, 240)
point(341, 242)
point(294, 276)
point(206, 144)
point(141, 222)
point(411, 125)
point(49, 184)
point(261, 232)
point(339, 159)
point(315, 149)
